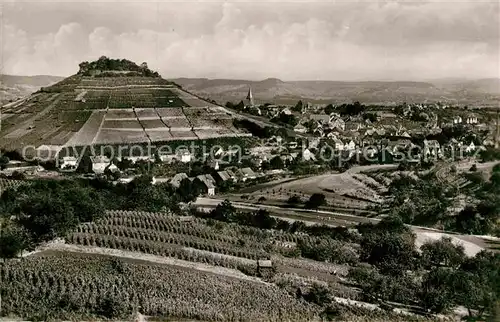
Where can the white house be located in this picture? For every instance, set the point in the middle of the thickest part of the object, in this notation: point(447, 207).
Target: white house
point(101, 163)
point(457, 119)
point(69, 163)
point(299, 128)
point(183, 155)
point(472, 119)
point(350, 146)
point(432, 147)
point(308, 155)
point(286, 111)
point(471, 147)
point(338, 145)
point(313, 143)
point(337, 123)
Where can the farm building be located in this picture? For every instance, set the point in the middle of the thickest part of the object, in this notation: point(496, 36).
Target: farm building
point(265, 268)
point(208, 183)
point(245, 174)
point(224, 176)
point(101, 163)
point(69, 162)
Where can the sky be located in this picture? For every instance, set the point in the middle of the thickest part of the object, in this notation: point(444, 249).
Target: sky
point(292, 40)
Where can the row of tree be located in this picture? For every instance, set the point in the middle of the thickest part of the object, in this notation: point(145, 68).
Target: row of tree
point(42, 210)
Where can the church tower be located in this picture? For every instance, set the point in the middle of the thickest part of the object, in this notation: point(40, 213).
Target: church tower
point(249, 98)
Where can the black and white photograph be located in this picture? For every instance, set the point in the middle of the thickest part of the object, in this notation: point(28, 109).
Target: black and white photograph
point(250, 161)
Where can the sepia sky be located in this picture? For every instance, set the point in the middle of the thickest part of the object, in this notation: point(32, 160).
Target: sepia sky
point(292, 40)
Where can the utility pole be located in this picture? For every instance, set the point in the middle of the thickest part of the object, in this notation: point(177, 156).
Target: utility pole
point(497, 130)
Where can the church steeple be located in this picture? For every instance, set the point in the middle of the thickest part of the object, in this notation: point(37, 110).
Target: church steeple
point(249, 97)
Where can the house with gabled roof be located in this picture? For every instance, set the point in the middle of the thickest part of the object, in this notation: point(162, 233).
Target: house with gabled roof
point(337, 124)
point(223, 176)
point(470, 147)
point(208, 183)
point(100, 163)
point(332, 135)
point(245, 174)
point(472, 119)
point(286, 111)
point(432, 147)
point(319, 132)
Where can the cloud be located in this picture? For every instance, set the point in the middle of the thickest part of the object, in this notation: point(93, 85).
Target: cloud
point(289, 40)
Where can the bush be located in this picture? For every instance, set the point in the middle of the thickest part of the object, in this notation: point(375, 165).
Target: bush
point(315, 201)
point(294, 200)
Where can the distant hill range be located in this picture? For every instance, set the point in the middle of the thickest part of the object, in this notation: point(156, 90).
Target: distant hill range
point(456, 91)
point(470, 92)
point(13, 87)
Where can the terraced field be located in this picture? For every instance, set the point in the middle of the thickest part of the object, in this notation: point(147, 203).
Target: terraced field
point(92, 283)
point(187, 238)
point(8, 184)
point(80, 111)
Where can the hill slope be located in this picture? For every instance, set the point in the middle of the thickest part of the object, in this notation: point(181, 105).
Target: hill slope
point(484, 92)
point(113, 106)
point(14, 87)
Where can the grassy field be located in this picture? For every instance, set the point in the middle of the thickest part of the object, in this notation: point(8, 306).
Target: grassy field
point(343, 191)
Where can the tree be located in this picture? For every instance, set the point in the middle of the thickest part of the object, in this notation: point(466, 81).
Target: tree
point(473, 168)
point(389, 245)
point(113, 306)
point(315, 201)
point(437, 294)
point(442, 252)
point(318, 294)
point(329, 109)
point(224, 211)
point(370, 116)
point(46, 217)
point(13, 240)
point(263, 220)
point(298, 107)
point(276, 163)
point(479, 284)
point(4, 160)
point(294, 200)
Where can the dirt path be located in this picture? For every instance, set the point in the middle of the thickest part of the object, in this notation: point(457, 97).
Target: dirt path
point(59, 246)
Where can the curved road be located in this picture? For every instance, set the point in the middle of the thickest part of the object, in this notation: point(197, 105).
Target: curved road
point(329, 218)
